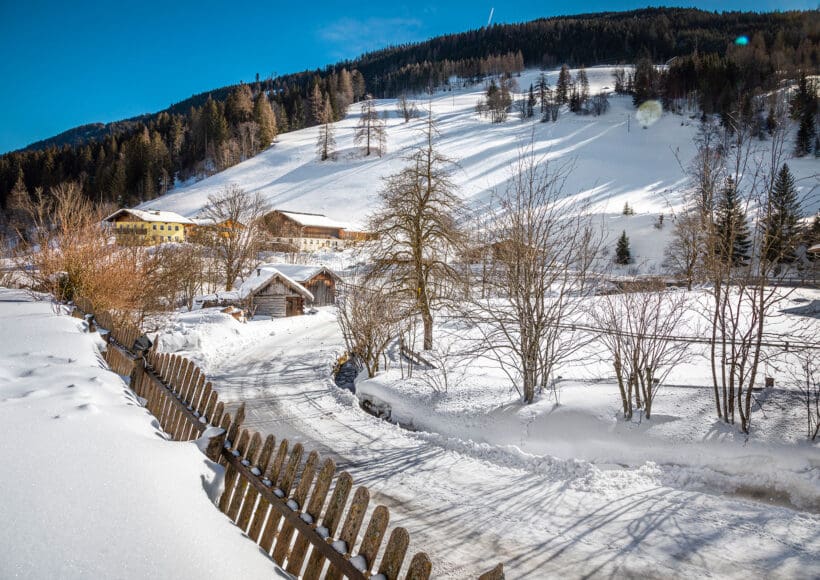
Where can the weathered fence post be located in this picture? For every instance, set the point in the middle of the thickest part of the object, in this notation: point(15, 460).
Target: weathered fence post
point(215, 444)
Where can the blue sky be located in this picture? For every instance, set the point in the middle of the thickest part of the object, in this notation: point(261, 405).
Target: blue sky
point(68, 63)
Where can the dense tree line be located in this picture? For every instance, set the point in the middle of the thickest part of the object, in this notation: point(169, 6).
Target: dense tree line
point(138, 159)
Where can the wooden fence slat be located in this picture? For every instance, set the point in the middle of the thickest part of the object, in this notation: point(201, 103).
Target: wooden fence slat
point(217, 418)
point(260, 520)
point(279, 462)
point(272, 526)
point(177, 387)
point(394, 553)
point(209, 398)
point(231, 473)
point(300, 497)
point(252, 456)
point(314, 510)
point(248, 509)
point(350, 530)
point(189, 431)
point(330, 521)
point(373, 536)
point(420, 567)
point(233, 430)
point(186, 387)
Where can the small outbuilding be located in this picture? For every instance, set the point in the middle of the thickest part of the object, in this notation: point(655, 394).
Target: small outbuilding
point(269, 292)
point(318, 280)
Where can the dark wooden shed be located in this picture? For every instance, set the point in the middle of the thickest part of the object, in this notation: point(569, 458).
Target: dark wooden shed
point(318, 280)
point(269, 292)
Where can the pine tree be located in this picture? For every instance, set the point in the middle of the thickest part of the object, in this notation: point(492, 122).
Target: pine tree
point(562, 86)
point(327, 142)
point(781, 222)
point(733, 243)
point(623, 254)
point(265, 119)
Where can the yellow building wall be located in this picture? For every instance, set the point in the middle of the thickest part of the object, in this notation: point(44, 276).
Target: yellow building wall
point(149, 232)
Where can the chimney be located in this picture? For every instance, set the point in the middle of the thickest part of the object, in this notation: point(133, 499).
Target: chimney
point(259, 271)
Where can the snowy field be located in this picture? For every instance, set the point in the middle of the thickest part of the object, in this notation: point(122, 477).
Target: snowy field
point(90, 488)
point(568, 490)
point(613, 159)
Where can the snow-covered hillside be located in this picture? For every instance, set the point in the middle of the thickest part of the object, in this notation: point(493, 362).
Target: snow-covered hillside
point(614, 161)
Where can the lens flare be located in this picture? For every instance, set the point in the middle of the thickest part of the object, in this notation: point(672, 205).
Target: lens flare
point(742, 40)
point(649, 113)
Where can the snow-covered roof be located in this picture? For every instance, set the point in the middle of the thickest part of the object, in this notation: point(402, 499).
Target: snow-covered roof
point(263, 275)
point(314, 220)
point(151, 215)
point(300, 272)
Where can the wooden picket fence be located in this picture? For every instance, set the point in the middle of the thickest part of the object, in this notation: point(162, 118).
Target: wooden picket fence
point(279, 498)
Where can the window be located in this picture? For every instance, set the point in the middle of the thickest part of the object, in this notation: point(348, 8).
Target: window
point(154, 226)
point(162, 227)
point(176, 228)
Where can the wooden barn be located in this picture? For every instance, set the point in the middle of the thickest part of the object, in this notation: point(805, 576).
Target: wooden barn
point(268, 292)
point(318, 280)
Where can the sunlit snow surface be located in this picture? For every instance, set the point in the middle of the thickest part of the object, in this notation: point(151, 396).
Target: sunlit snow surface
point(612, 161)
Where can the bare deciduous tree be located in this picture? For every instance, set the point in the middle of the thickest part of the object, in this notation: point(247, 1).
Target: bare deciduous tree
point(370, 128)
point(234, 229)
point(636, 327)
point(370, 320)
point(544, 250)
point(682, 257)
point(745, 295)
point(418, 231)
point(407, 108)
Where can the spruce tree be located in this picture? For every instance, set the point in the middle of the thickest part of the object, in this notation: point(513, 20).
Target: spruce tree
point(805, 135)
point(562, 86)
point(623, 254)
point(781, 221)
point(733, 238)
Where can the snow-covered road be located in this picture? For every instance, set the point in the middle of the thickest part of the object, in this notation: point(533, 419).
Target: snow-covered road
point(470, 505)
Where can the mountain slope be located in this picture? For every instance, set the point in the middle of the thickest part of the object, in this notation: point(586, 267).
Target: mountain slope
point(613, 161)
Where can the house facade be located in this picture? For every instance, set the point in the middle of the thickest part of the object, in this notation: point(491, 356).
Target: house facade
point(308, 232)
point(148, 227)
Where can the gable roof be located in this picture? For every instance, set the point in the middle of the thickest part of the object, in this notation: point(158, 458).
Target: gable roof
point(315, 220)
point(150, 215)
point(263, 276)
point(301, 272)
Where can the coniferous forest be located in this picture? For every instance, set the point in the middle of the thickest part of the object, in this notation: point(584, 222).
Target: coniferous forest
point(136, 160)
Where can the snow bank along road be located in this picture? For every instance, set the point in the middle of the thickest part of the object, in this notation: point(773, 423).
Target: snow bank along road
point(89, 488)
point(470, 505)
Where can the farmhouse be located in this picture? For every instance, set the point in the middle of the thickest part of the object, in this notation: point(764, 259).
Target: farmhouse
point(145, 227)
point(269, 292)
point(308, 232)
point(320, 281)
